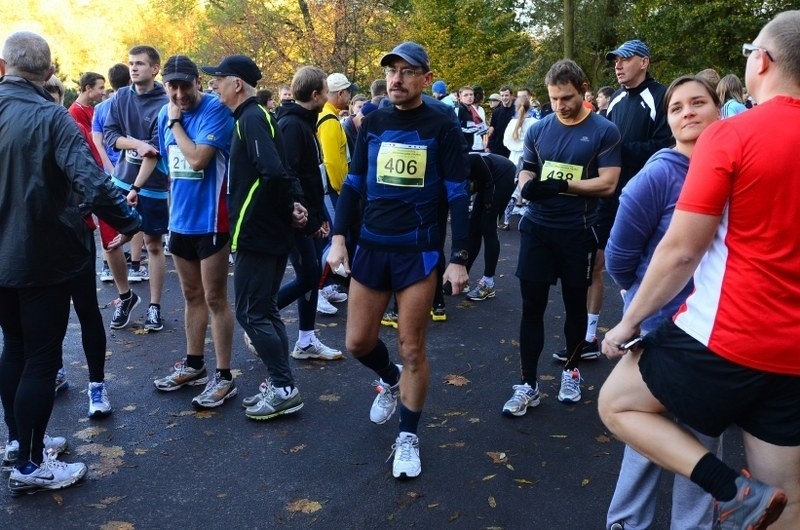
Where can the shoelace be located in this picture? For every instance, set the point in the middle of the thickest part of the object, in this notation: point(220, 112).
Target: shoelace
point(383, 389)
point(153, 314)
point(403, 448)
point(97, 394)
point(521, 392)
point(267, 391)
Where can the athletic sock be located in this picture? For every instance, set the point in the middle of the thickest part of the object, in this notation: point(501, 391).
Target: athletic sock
point(135, 265)
point(157, 306)
point(125, 296)
point(409, 419)
point(378, 361)
point(591, 326)
point(195, 361)
point(225, 374)
point(715, 477)
point(304, 338)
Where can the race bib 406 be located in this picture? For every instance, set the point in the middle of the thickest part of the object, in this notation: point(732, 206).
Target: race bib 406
point(402, 165)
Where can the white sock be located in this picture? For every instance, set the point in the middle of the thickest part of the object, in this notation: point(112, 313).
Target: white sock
point(591, 327)
point(487, 281)
point(305, 337)
point(284, 391)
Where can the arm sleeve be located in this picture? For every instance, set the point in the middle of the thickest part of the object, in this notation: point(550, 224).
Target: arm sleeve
point(637, 219)
point(638, 152)
point(88, 181)
point(112, 128)
point(455, 171)
point(353, 189)
point(530, 160)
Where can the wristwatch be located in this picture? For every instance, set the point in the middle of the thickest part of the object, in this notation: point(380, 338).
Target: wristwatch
point(459, 257)
point(172, 122)
point(135, 188)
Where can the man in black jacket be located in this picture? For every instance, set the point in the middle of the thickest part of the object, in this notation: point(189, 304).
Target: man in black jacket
point(43, 198)
point(264, 209)
point(298, 125)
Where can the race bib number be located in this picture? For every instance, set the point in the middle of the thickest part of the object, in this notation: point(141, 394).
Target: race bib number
point(402, 165)
point(559, 171)
point(132, 157)
point(179, 168)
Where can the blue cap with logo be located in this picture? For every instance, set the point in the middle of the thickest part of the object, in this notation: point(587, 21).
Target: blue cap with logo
point(409, 51)
point(629, 49)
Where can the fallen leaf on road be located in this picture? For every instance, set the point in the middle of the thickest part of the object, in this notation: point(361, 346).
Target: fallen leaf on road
point(489, 477)
point(474, 420)
point(584, 482)
point(433, 505)
point(455, 380)
point(603, 439)
point(454, 516)
point(457, 445)
point(498, 458)
point(297, 448)
point(492, 502)
point(546, 377)
point(129, 408)
point(303, 506)
point(522, 481)
point(139, 451)
point(59, 499)
point(204, 414)
point(118, 525)
point(559, 436)
point(89, 433)
point(510, 467)
point(329, 397)
point(414, 494)
point(141, 331)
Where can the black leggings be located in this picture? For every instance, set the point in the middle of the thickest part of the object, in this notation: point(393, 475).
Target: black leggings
point(34, 322)
point(83, 289)
point(531, 327)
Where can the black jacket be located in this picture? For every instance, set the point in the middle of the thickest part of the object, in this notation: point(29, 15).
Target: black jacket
point(639, 115)
point(261, 194)
point(48, 181)
point(298, 127)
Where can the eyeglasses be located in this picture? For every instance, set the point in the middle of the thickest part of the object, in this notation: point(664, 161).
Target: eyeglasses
point(405, 73)
point(747, 49)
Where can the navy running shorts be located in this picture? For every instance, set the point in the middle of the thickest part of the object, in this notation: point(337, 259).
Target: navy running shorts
point(392, 271)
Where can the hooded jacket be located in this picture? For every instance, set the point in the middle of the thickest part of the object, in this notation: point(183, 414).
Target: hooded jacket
point(48, 181)
point(645, 210)
point(298, 127)
point(261, 194)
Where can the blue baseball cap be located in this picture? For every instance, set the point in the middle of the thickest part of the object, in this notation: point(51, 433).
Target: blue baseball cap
point(439, 87)
point(629, 49)
point(409, 51)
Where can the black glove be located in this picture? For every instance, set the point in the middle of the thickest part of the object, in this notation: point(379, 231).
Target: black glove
point(537, 190)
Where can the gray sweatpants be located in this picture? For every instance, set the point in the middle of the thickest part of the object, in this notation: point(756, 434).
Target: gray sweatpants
point(635, 498)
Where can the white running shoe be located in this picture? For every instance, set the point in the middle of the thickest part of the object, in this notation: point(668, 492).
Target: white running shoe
point(385, 402)
point(333, 294)
point(325, 307)
point(98, 400)
point(53, 474)
point(316, 350)
point(406, 462)
point(570, 386)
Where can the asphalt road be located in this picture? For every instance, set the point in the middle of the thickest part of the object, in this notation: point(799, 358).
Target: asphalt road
point(156, 463)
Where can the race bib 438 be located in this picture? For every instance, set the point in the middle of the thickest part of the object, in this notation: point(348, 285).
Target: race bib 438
point(560, 171)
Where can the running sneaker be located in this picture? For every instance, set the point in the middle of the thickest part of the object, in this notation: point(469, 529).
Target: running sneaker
point(61, 380)
point(389, 319)
point(274, 402)
point(105, 275)
point(315, 350)
point(53, 444)
point(570, 386)
point(481, 291)
point(182, 375)
point(524, 396)
point(406, 462)
point(325, 307)
point(385, 402)
point(154, 322)
point(755, 506)
point(52, 474)
point(439, 313)
point(217, 391)
point(99, 405)
point(589, 352)
point(138, 275)
point(333, 294)
point(123, 310)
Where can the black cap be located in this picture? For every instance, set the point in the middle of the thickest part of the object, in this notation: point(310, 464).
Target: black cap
point(179, 68)
point(238, 66)
point(409, 51)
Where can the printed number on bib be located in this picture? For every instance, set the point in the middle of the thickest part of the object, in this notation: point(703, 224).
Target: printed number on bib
point(402, 165)
point(132, 157)
point(179, 168)
point(559, 171)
